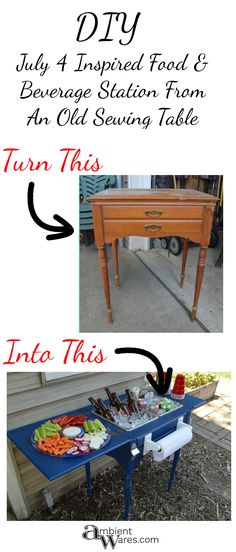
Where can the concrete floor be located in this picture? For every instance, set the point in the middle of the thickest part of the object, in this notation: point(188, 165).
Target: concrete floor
point(149, 299)
point(213, 419)
point(167, 269)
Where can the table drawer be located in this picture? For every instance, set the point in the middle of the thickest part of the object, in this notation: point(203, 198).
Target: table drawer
point(191, 229)
point(152, 212)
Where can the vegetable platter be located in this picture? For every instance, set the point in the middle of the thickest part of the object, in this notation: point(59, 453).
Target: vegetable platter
point(70, 436)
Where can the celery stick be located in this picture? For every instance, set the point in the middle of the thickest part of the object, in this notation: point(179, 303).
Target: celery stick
point(36, 435)
point(98, 428)
point(86, 427)
point(100, 425)
point(43, 432)
point(91, 426)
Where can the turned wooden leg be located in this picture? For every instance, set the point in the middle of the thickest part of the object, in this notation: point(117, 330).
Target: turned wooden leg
point(105, 279)
point(199, 276)
point(184, 259)
point(115, 261)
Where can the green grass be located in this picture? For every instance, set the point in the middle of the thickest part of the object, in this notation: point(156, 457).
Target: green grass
point(226, 375)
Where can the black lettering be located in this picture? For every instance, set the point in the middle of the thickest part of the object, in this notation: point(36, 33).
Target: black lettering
point(84, 17)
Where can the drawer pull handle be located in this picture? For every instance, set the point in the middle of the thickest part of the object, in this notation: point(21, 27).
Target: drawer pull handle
point(152, 226)
point(153, 213)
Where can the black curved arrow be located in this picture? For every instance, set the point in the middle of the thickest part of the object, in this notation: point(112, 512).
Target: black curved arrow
point(62, 231)
point(163, 385)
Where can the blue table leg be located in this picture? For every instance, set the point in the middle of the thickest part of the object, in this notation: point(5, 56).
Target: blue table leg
point(128, 491)
point(173, 469)
point(187, 418)
point(88, 476)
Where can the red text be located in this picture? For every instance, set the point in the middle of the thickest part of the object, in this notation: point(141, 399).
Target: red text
point(16, 165)
point(73, 162)
point(75, 351)
point(34, 356)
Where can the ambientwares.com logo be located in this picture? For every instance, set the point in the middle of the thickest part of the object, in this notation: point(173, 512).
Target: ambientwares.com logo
point(114, 535)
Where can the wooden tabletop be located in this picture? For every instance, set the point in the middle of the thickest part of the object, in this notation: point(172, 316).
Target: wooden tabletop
point(153, 194)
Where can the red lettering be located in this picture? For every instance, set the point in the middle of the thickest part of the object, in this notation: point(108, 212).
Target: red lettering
point(88, 165)
point(78, 352)
point(9, 361)
point(9, 157)
point(66, 156)
point(15, 356)
point(100, 358)
point(70, 341)
point(23, 166)
point(81, 355)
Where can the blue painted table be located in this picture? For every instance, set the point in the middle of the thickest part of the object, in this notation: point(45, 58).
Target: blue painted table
point(119, 447)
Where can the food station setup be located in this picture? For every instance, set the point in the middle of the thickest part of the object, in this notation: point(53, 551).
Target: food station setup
point(125, 427)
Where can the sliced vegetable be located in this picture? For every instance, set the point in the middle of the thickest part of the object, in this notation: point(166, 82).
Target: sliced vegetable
point(91, 426)
point(50, 441)
point(71, 450)
point(96, 443)
point(84, 449)
point(65, 421)
point(48, 429)
point(55, 445)
point(99, 425)
point(86, 427)
point(36, 435)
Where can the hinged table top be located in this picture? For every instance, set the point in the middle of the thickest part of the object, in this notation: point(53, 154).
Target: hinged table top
point(153, 195)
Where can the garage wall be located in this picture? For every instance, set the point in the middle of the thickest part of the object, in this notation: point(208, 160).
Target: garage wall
point(30, 399)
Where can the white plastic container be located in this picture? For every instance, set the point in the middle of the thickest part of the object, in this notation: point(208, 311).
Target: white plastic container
point(72, 432)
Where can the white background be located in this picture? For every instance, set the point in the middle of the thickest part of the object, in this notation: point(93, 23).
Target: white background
point(40, 279)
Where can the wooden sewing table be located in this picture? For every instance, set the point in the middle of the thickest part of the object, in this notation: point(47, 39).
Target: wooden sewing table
point(118, 213)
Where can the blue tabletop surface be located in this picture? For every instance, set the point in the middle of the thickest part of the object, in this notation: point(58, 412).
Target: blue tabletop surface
point(53, 468)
